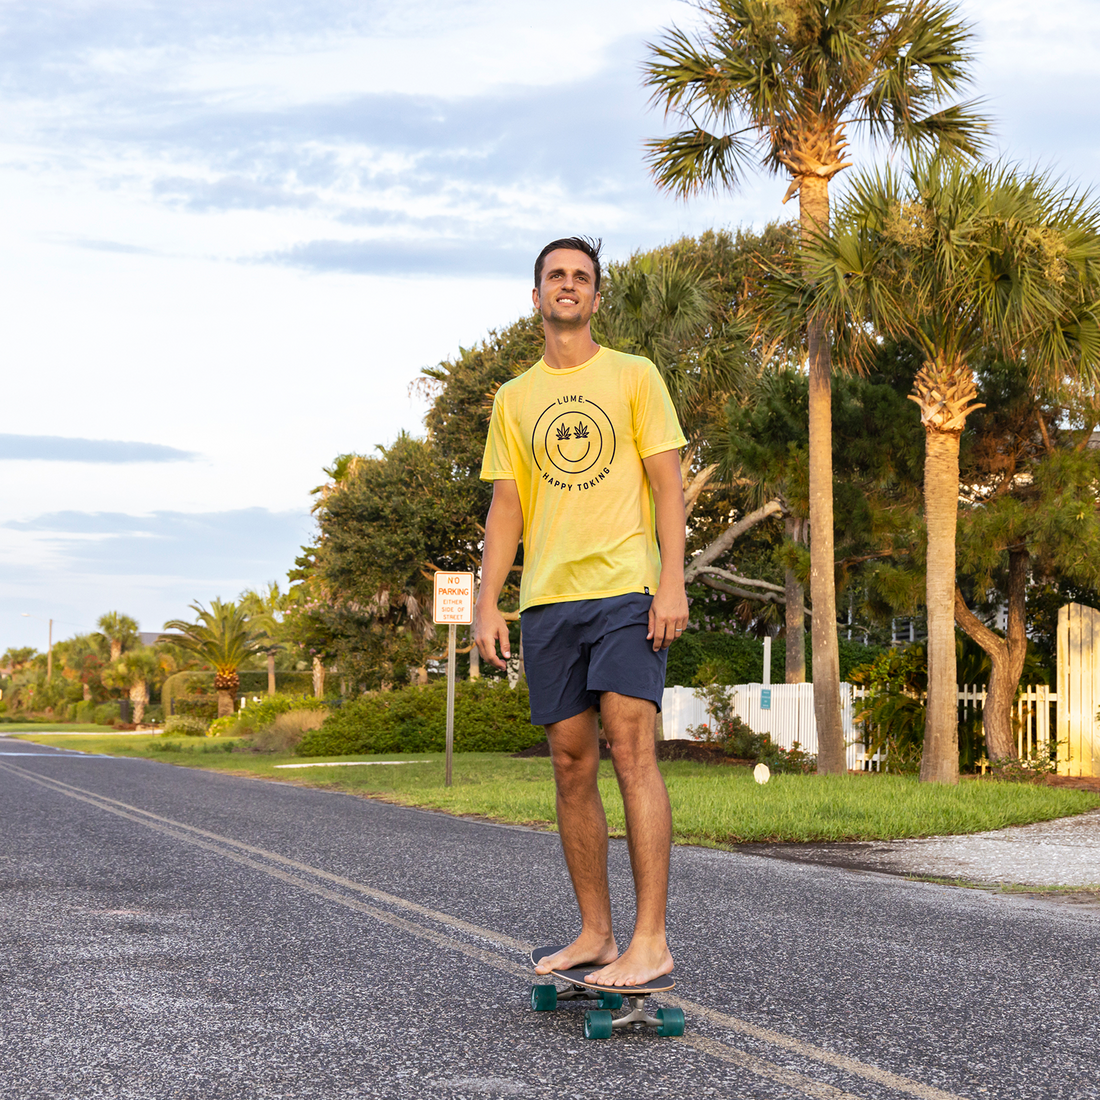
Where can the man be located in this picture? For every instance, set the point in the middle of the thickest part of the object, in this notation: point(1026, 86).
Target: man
point(582, 453)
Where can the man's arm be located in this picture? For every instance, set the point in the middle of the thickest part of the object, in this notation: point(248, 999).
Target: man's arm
point(668, 614)
point(503, 531)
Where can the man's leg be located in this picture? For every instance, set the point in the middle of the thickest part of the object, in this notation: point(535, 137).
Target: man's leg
point(629, 726)
point(582, 825)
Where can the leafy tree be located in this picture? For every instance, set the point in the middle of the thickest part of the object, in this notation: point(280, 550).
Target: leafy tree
point(386, 524)
point(1029, 509)
point(783, 81)
point(960, 260)
point(224, 638)
point(118, 631)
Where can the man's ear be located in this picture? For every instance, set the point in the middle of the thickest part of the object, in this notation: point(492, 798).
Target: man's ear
point(535, 297)
point(596, 302)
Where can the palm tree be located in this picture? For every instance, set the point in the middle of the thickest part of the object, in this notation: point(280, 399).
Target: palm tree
point(119, 631)
point(962, 262)
point(783, 81)
point(223, 638)
point(265, 611)
point(131, 673)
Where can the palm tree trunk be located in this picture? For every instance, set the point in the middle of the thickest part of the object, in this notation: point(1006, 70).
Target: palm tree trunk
point(319, 678)
point(225, 702)
point(794, 612)
point(940, 758)
point(271, 673)
point(1007, 655)
point(813, 205)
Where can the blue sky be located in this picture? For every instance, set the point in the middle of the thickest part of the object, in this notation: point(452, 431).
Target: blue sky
point(234, 233)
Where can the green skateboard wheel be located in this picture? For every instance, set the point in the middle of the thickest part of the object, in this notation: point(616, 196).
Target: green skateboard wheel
point(597, 1025)
point(670, 1021)
point(544, 998)
point(611, 1000)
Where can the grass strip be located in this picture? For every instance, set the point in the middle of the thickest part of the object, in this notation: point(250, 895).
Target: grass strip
point(712, 806)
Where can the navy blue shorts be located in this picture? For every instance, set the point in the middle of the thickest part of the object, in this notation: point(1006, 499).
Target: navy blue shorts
point(574, 651)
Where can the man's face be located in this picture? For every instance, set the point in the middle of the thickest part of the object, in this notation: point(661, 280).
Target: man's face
point(567, 294)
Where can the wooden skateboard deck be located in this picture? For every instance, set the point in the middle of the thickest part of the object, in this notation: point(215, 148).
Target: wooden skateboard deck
point(576, 975)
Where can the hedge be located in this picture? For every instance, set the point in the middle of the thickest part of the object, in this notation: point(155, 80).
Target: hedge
point(741, 657)
point(253, 682)
point(489, 717)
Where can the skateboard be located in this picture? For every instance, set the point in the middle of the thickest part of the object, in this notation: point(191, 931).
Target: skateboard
point(599, 1023)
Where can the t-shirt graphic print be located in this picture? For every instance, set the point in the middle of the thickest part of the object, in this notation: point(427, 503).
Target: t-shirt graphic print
point(573, 441)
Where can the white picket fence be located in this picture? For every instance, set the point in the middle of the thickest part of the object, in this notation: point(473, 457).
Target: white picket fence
point(790, 716)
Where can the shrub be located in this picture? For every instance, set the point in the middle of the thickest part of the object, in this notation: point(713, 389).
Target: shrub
point(287, 730)
point(185, 724)
point(489, 717)
point(259, 715)
point(106, 714)
point(186, 707)
point(84, 712)
point(740, 741)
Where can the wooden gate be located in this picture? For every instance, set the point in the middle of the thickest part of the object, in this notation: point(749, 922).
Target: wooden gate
point(1078, 690)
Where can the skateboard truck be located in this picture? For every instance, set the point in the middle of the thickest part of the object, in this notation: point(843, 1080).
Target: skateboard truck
point(599, 1023)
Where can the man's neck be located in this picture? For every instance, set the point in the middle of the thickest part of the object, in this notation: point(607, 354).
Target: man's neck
point(566, 348)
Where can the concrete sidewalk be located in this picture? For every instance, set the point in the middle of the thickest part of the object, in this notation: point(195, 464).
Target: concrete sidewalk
point(1065, 852)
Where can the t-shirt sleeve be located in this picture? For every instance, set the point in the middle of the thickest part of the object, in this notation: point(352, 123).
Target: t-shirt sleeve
point(656, 427)
point(496, 463)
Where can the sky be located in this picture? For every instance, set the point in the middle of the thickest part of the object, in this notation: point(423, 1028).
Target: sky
point(233, 235)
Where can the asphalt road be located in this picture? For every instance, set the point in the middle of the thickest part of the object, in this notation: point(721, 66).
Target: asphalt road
point(174, 933)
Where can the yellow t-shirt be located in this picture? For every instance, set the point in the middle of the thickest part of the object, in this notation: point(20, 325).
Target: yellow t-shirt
point(573, 441)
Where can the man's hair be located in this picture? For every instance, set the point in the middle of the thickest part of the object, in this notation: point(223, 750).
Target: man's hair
point(590, 247)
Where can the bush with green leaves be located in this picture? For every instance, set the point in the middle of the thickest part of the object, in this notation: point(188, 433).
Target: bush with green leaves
point(489, 717)
point(739, 740)
point(106, 714)
point(259, 714)
point(186, 725)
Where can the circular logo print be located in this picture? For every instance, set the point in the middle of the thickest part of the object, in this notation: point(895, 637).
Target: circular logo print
point(573, 438)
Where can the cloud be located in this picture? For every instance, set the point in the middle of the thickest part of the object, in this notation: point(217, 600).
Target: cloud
point(56, 448)
point(206, 547)
point(408, 258)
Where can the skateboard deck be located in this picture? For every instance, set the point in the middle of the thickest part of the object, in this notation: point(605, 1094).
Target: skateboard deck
point(599, 1022)
point(576, 975)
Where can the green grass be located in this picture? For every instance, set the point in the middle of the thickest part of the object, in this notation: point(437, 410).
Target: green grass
point(30, 727)
point(713, 806)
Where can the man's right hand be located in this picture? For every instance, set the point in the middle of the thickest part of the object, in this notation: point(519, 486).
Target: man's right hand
point(490, 628)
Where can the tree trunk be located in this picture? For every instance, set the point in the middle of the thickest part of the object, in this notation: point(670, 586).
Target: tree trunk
point(318, 678)
point(1007, 655)
point(139, 696)
point(794, 611)
point(271, 674)
point(225, 702)
point(475, 663)
point(813, 204)
point(940, 758)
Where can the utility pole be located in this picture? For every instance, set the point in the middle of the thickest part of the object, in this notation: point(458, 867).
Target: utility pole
point(49, 656)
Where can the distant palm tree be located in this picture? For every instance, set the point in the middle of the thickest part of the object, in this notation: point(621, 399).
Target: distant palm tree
point(266, 610)
point(961, 261)
point(119, 631)
point(131, 673)
point(778, 84)
point(224, 638)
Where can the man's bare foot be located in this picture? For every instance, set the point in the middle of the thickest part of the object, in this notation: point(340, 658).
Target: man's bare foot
point(641, 962)
point(584, 950)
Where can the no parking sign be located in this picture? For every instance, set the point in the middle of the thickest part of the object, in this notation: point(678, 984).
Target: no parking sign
point(453, 604)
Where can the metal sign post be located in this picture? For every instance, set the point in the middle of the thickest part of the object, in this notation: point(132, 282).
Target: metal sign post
point(454, 605)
